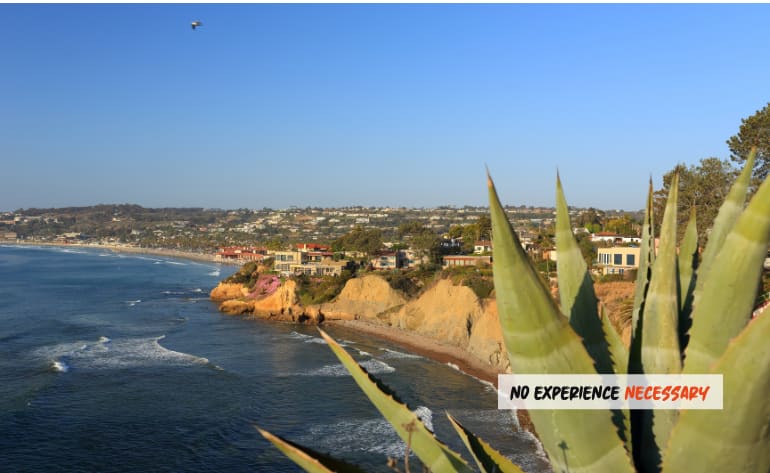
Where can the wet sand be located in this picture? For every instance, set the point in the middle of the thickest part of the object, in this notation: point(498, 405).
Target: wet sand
point(433, 349)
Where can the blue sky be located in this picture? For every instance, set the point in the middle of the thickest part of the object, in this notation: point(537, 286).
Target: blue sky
point(384, 105)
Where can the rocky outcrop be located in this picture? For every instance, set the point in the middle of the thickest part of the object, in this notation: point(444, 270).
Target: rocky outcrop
point(368, 297)
point(486, 341)
point(227, 291)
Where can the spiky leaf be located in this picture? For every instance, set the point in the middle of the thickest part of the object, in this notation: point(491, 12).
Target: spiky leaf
point(660, 339)
point(435, 455)
point(487, 458)
point(619, 354)
point(724, 303)
point(540, 340)
point(646, 258)
point(736, 438)
point(307, 459)
point(576, 288)
point(688, 263)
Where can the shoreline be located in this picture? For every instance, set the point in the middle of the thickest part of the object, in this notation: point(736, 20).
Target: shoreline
point(188, 255)
point(432, 349)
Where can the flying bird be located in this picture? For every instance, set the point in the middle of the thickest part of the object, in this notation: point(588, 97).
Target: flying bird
point(196, 24)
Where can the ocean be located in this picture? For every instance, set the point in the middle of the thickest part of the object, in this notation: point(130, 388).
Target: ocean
point(119, 363)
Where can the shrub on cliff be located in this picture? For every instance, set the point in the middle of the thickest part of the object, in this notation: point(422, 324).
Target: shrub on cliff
point(319, 289)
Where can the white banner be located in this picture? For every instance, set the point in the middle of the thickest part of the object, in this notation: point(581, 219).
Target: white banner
point(635, 391)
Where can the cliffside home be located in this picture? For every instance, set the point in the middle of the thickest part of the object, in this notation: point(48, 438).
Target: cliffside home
point(466, 260)
point(389, 260)
point(618, 259)
point(240, 253)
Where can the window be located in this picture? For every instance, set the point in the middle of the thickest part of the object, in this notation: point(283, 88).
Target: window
point(617, 259)
point(630, 260)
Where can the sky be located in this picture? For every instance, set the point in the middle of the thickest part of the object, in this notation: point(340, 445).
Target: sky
point(376, 105)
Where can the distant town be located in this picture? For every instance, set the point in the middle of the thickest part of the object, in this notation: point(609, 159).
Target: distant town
point(323, 241)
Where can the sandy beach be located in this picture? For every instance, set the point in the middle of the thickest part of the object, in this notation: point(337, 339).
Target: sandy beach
point(189, 255)
point(433, 349)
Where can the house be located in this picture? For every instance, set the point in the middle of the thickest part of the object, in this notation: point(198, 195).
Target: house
point(327, 267)
point(482, 246)
point(240, 253)
point(283, 260)
point(311, 247)
point(615, 239)
point(388, 260)
point(466, 260)
point(618, 259)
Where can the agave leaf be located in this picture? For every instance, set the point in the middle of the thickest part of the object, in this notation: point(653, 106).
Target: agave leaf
point(307, 459)
point(646, 259)
point(688, 263)
point(736, 438)
point(488, 459)
point(726, 217)
point(435, 455)
point(660, 338)
point(724, 303)
point(619, 354)
point(540, 340)
point(576, 288)
point(618, 350)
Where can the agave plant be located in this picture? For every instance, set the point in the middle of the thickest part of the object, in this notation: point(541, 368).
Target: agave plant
point(691, 315)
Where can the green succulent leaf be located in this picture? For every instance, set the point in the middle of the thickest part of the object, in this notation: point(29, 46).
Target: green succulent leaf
point(725, 300)
point(660, 353)
point(435, 455)
point(619, 354)
point(736, 438)
point(688, 263)
point(540, 340)
point(488, 459)
point(646, 258)
point(307, 459)
point(576, 288)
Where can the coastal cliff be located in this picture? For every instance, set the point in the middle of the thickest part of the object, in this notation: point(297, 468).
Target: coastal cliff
point(450, 315)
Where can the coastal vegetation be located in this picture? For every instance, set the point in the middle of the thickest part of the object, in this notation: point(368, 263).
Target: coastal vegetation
point(691, 313)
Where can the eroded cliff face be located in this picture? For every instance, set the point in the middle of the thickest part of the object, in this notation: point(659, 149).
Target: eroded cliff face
point(449, 314)
point(282, 304)
point(227, 291)
point(369, 297)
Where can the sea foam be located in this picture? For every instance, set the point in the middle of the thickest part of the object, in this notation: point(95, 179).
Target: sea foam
point(106, 353)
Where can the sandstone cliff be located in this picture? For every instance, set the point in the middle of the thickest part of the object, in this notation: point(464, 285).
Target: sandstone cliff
point(367, 297)
point(450, 315)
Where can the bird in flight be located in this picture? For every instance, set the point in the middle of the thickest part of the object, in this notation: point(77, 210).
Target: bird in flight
point(196, 24)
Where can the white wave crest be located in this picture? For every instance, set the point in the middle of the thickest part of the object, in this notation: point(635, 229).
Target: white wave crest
point(133, 303)
point(60, 366)
point(398, 354)
point(425, 415)
point(453, 366)
point(372, 366)
point(214, 273)
point(117, 354)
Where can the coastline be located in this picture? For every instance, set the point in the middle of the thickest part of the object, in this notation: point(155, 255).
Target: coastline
point(434, 350)
point(188, 255)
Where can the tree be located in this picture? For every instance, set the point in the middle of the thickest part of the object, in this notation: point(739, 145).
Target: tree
point(703, 186)
point(754, 131)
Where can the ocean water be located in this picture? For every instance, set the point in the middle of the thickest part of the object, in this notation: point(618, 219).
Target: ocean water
point(120, 363)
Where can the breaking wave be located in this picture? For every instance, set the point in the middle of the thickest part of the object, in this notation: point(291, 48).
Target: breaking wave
point(115, 354)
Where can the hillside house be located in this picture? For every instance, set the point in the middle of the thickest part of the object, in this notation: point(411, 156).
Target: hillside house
point(466, 260)
point(618, 259)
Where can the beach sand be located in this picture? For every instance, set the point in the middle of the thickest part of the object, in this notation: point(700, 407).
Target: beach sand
point(430, 348)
